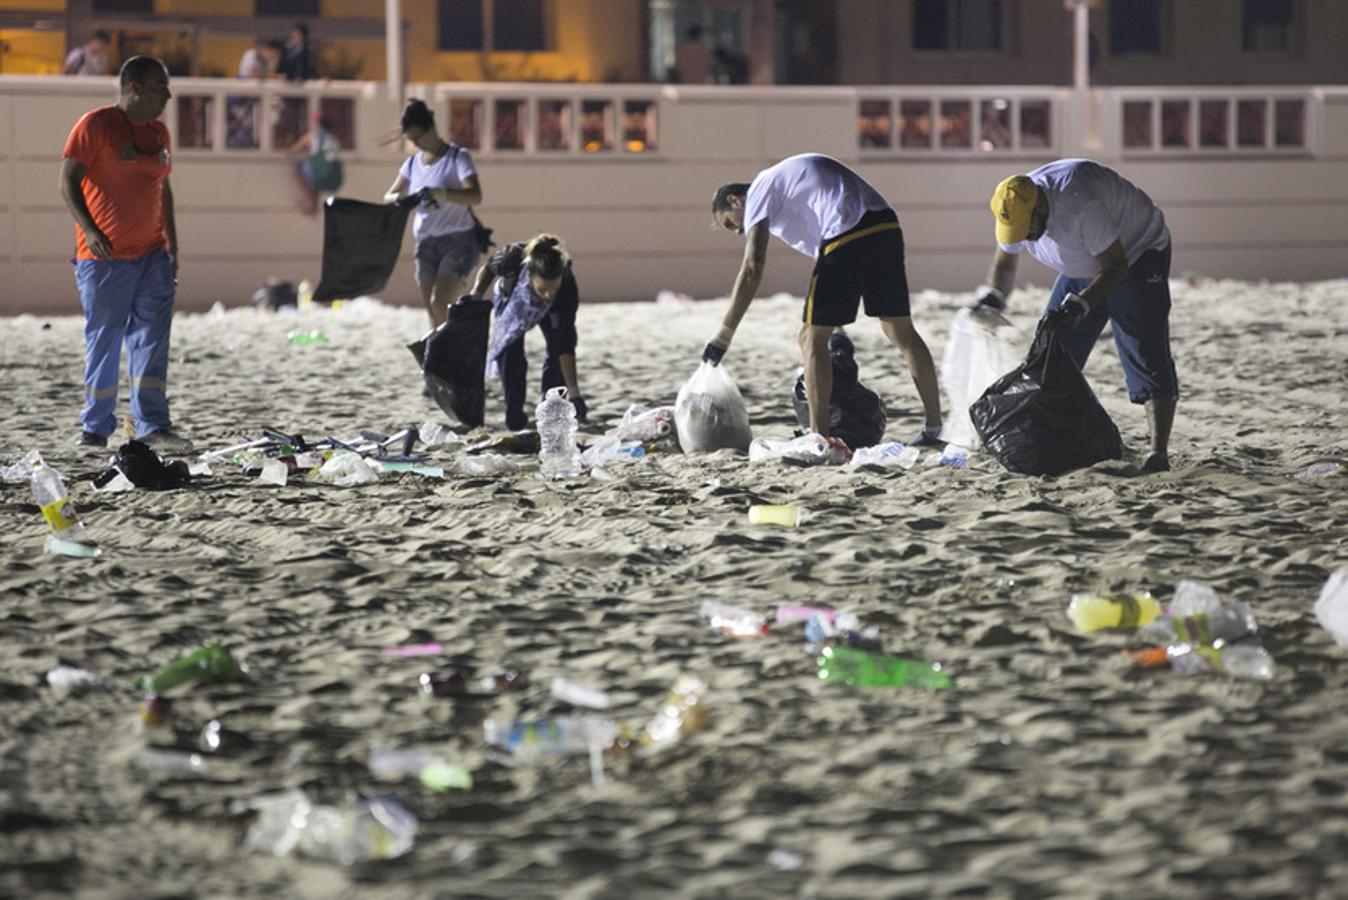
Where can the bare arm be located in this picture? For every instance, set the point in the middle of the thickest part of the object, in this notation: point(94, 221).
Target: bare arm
point(171, 226)
point(72, 173)
point(482, 281)
point(397, 191)
point(750, 275)
point(568, 363)
point(1113, 272)
point(1002, 275)
point(469, 194)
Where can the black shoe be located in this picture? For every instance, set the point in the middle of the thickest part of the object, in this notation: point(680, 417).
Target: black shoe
point(89, 439)
point(1156, 461)
point(927, 439)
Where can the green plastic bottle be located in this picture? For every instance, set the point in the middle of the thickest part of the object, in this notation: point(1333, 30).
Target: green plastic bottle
point(211, 663)
point(861, 669)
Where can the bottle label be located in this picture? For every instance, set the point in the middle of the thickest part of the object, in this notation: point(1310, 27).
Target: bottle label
point(1130, 611)
point(60, 515)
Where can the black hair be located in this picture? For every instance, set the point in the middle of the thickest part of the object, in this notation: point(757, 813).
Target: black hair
point(547, 257)
point(101, 35)
point(720, 200)
point(138, 68)
point(325, 123)
point(303, 29)
point(417, 115)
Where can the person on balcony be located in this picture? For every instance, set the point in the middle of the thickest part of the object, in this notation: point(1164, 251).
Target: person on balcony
point(819, 207)
point(115, 182)
point(442, 175)
point(1110, 245)
point(89, 58)
point(534, 286)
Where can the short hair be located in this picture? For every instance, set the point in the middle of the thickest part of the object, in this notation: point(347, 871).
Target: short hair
point(138, 68)
point(720, 201)
point(101, 35)
point(547, 257)
point(417, 115)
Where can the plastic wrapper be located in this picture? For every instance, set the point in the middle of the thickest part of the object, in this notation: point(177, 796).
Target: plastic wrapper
point(710, 414)
point(981, 348)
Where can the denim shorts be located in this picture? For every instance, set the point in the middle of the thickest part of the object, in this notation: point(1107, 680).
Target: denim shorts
point(1139, 313)
point(446, 256)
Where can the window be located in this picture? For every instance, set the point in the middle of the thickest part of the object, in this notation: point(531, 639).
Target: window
point(1251, 123)
point(290, 117)
point(465, 123)
point(1266, 26)
point(517, 25)
point(1137, 123)
point(957, 118)
point(596, 125)
point(1214, 123)
point(123, 6)
point(994, 117)
point(241, 122)
point(196, 123)
point(639, 134)
point(287, 7)
point(554, 125)
point(1134, 27)
point(1289, 123)
point(874, 124)
point(461, 25)
point(1036, 118)
point(340, 113)
point(511, 124)
point(915, 123)
point(957, 24)
point(1175, 123)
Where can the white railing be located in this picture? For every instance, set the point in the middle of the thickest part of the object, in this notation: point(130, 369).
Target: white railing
point(953, 122)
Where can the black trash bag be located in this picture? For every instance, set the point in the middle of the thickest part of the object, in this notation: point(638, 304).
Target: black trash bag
point(143, 468)
point(361, 243)
point(452, 359)
point(1042, 418)
point(856, 414)
point(275, 294)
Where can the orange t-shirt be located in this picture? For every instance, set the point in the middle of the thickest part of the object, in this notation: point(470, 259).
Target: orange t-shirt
point(125, 164)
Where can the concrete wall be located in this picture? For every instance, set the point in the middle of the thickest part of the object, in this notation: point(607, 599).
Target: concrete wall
point(639, 223)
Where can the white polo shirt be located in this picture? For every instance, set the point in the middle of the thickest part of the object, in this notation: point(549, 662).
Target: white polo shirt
point(449, 171)
point(809, 198)
point(1091, 206)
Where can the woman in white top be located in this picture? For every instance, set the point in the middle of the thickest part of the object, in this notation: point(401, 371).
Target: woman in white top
point(443, 176)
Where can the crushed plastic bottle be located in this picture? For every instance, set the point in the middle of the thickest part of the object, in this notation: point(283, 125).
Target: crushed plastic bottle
point(808, 448)
point(1194, 598)
point(21, 471)
point(65, 679)
point(641, 424)
point(859, 668)
point(1331, 608)
point(434, 772)
point(787, 516)
point(433, 434)
point(952, 456)
point(354, 832)
point(1237, 660)
point(1228, 622)
point(558, 456)
point(568, 691)
point(735, 621)
point(306, 338)
point(610, 449)
point(559, 736)
point(1319, 470)
point(894, 453)
point(1093, 612)
point(346, 468)
point(682, 712)
point(210, 664)
point(483, 465)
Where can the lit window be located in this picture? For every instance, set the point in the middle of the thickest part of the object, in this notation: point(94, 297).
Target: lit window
point(1137, 123)
point(554, 125)
point(915, 123)
point(465, 123)
point(596, 125)
point(340, 115)
point(510, 124)
point(196, 124)
point(1036, 118)
point(290, 121)
point(639, 133)
point(956, 123)
point(994, 122)
point(1176, 127)
point(875, 125)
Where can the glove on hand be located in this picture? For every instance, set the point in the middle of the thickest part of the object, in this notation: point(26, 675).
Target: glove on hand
point(715, 350)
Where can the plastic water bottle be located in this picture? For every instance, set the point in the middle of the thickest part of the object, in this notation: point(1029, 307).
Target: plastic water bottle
point(568, 691)
point(861, 669)
point(955, 457)
point(212, 663)
point(355, 832)
point(683, 711)
point(1237, 660)
point(49, 491)
point(1093, 612)
point(894, 453)
point(558, 456)
point(1226, 623)
point(559, 736)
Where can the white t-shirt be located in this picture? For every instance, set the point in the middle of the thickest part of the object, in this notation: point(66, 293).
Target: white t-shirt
point(809, 198)
point(449, 171)
point(1090, 207)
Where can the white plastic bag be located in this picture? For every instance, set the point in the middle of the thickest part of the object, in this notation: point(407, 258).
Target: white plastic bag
point(980, 349)
point(1332, 607)
point(642, 424)
point(709, 413)
point(346, 469)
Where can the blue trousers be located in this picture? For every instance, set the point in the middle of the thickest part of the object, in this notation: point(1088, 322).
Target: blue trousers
point(126, 301)
point(1140, 312)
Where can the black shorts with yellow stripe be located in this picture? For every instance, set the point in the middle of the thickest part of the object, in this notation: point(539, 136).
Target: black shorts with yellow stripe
point(864, 262)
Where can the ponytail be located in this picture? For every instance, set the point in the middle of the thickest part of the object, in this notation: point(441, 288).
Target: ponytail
point(546, 257)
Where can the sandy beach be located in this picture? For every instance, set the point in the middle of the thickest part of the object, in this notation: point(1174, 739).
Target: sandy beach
point(1052, 768)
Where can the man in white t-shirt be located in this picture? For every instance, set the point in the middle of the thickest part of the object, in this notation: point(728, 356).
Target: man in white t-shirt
point(1111, 247)
point(819, 207)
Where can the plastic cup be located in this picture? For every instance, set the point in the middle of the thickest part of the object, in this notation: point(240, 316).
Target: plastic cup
point(786, 516)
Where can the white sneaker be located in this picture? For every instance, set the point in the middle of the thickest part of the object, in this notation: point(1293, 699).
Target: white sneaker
point(166, 443)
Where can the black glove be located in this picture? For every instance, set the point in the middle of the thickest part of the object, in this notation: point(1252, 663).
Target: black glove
point(424, 196)
point(410, 201)
point(1067, 317)
point(992, 300)
point(713, 353)
point(582, 411)
point(466, 299)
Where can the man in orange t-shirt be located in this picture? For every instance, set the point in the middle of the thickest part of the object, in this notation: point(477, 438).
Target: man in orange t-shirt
point(115, 182)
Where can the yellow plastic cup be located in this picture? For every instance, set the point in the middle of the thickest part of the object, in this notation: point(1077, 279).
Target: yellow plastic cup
point(786, 516)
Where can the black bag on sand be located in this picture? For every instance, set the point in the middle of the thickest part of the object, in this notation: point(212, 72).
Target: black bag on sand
point(452, 359)
point(1042, 418)
point(143, 468)
point(855, 412)
point(361, 243)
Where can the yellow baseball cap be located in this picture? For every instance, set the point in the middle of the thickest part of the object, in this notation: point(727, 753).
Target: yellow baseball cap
point(1013, 204)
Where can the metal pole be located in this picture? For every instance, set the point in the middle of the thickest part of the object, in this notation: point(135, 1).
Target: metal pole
point(1081, 79)
point(393, 46)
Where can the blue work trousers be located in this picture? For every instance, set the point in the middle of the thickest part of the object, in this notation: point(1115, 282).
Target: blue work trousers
point(131, 301)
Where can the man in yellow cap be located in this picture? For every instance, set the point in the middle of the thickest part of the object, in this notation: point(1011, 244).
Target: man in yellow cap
point(1110, 246)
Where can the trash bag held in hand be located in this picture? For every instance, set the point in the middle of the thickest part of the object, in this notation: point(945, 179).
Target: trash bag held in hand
point(452, 359)
point(856, 415)
point(979, 350)
point(709, 413)
point(1042, 418)
point(361, 243)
